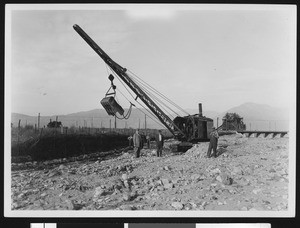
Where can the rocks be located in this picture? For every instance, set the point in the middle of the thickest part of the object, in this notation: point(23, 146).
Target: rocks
point(77, 204)
point(127, 207)
point(167, 168)
point(237, 170)
point(125, 177)
point(225, 179)
point(241, 180)
point(126, 196)
point(177, 205)
point(99, 192)
point(196, 177)
point(256, 191)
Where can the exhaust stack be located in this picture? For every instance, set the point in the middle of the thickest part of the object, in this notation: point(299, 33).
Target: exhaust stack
point(200, 109)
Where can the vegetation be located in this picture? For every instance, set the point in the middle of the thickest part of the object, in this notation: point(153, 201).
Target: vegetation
point(233, 121)
point(54, 124)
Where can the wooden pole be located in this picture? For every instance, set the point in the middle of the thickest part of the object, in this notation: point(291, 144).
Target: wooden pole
point(115, 122)
point(19, 128)
point(39, 120)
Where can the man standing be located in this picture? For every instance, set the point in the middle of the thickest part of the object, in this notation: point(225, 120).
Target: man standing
point(137, 143)
point(130, 140)
point(213, 143)
point(159, 143)
point(148, 141)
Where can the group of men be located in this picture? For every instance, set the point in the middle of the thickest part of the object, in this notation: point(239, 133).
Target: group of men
point(138, 143)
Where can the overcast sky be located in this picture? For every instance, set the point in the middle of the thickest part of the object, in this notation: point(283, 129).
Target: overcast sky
point(218, 56)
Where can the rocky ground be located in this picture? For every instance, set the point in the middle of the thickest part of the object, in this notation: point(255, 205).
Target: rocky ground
point(249, 174)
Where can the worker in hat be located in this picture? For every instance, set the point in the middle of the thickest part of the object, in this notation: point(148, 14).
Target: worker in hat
point(137, 143)
point(159, 143)
point(213, 143)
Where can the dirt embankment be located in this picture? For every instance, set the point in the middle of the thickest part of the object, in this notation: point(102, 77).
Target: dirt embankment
point(64, 146)
point(249, 174)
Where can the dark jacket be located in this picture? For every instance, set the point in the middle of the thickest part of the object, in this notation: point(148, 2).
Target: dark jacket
point(160, 143)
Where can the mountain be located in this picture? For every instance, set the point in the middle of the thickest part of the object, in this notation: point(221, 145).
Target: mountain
point(253, 111)
point(93, 118)
point(261, 116)
point(256, 117)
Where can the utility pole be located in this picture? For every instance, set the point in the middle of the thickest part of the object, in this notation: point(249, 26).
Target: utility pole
point(217, 122)
point(139, 123)
point(56, 121)
point(145, 122)
point(109, 124)
point(39, 116)
point(19, 127)
point(115, 122)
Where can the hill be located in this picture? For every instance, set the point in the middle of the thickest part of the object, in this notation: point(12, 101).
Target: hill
point(261, 116)
point(256, 117)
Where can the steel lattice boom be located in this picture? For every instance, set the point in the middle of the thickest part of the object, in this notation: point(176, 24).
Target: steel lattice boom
point(121, 72)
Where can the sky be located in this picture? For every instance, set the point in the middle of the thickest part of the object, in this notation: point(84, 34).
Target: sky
point(217, 55)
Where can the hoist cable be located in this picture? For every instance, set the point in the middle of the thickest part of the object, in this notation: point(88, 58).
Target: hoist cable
point(159, 101)
point(144, 107)
point(136, 100)
point(154, 97)
point(157, 121)
point(162, 95)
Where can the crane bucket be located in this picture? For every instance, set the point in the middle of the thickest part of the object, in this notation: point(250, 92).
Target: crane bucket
point(111, 106)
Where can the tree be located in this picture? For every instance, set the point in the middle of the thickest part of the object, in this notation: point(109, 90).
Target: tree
point(233, 121)
point(54, 124)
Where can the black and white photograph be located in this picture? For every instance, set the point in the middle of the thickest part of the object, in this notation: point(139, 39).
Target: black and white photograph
point(150, 110)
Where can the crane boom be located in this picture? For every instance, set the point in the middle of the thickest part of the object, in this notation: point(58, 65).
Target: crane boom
point(121, 72)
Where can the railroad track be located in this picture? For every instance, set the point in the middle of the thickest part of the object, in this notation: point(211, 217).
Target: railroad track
point(265, 133)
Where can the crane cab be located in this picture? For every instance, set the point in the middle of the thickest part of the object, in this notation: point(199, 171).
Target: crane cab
point(197, 128)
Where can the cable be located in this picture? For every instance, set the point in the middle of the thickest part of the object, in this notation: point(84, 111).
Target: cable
point(138, 103)
point(148, 94)
point(144, 112)
point(162, 95)
point(159, 101)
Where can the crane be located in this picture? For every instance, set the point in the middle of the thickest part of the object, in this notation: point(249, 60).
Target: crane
point(189, 128)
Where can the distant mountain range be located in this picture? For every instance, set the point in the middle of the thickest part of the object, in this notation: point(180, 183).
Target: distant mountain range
point(256, 117)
